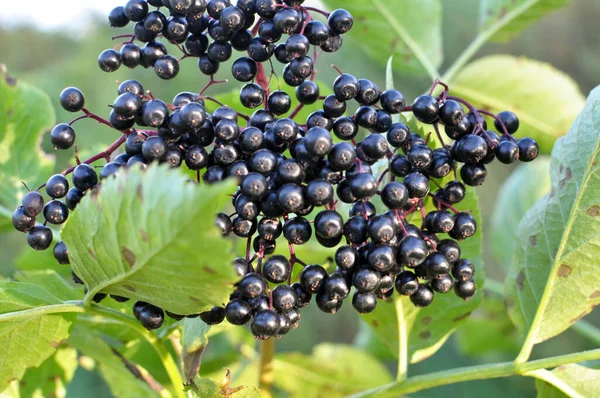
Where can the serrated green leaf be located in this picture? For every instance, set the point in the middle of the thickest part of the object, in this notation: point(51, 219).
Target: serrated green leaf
point(149, 235)
point(528, 88)
point(528, 183)
point(120, 379)
point(505, 19)
point(409, 30)
point(51, 378)
point(51, 281)
point(332, 371)
point(558, 240)
point(208, 388)
point(25, 114)
point(28, 338)
point(427, 328)
point(194, 340)
point(36, 260)
point(571, 380)
point(488, 330)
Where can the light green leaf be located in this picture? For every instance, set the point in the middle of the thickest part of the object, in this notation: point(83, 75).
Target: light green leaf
point(571, 380)
point(51, 378)
point(427, 328)
point(194, 340)
point(51, 281)
point(409, 30)
point(528, 183)
point(558, 241)
point(208, 388)
point(25, 114)
point(35, 260)
point(531, 89)
point(32, 327)
point(331, 370)
point(389, 83)
point(149, 235)
point(505, 19)
point(488, 330)
point(117, 372)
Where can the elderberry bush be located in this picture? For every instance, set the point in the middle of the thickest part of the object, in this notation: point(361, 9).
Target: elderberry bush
point(293, 175)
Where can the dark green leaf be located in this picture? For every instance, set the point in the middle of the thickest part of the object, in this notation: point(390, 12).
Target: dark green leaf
point(149, 235)
point(331, 370)
point(558, 241)
point(409, 30)
point(505, 19)
point(571, 380)
point(25, 114)
point(528, 88)
point(528, 183)
point(194, 340)
point(42, 333)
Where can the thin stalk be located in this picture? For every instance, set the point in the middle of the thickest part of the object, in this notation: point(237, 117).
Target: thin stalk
point(482, 38)
point(265, 372)
point(165, 356)
point(402, 342)
point(503, 369)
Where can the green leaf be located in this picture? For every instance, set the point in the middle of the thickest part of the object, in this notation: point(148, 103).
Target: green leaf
point(488, 330)
point(52, 377)
point(25, 114)
point(428, 328)
point(331, 370)
point(149, 235)
point(51, 281)
point(389, 84)
point(208, 388)
point(528, 183)
point(409, 30)
point(505, 19)
point(194, 340)
point(528, 88)
point(36, 260)
point(571, 380)
point(124, 378)
point(558, 241)
point(31, 327)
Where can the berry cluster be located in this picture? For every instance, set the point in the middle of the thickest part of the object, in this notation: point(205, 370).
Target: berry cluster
point(292, 175)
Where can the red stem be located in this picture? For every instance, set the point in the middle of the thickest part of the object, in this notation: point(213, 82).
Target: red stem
point(102, 155)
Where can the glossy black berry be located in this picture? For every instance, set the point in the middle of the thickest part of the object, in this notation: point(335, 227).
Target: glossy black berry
point(62, 136)
point(57, 186)
point(364, 303)
point(340, 21)
point(252, 285)
point(214, 316)
point(417, 185)
point(426, 108)
point(463, 270)
point(443, 284)
point(510, 121)
point(473, 174)
point(56, 212)
point(312, 278)
point(71, 99)
point(507, 152)
point(528, 149)
point(465, 289)
point(109, 60)
point(465, 226)
point(392, 101)
point(451, 113)
point(422, 297)
point(84, 177)
point(450, 249)
point(366, 280)
point(266, 324)
point(346, 87)
point(32, 203)
point(284, 298)
point(412, 251)
point(407, 283)
point(39, 237)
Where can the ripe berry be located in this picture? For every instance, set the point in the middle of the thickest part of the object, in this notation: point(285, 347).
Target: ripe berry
point(287, 20)
point(56, 212)
point(307, 93)
point(316, 32)
point(39, 237)
point(33, 203)
point(166, 67)
point(329, 224)
point(451, 113)
point(465, 289)
point(366, 280)
point(154, 113)
point(238, 312)
point(109, 60)
point(136, 10)
point(355, 230)
point(252, 285)
point(381, 257)
point(72, 100)
point(364, 303)
point(528, 149)
point(443, 284)
point(312, 278)
point(117, 17)
point(61, 253)
point(412, 251)
point(437, 265)
point(284, 298)
point(151, 317)
point(507, 152)
point(426, 109)
point(422, 297)
point(363, 185)
point(277, 269)
point(450, 249)
point(392, 101)
point(62, 136)
point(510, 121)
point(252, 95)
point(297, 230)
point(454, 192)
point(84, 177)
point(417, 185)
point(346, 87)
point(319, 192)
point(214, 316)
point(463, 270)
point(407, 283)
point(473, 174)
point(266, 324)
point(340, 21)
point(465, 226)
point(21, 221)
point(154, 148)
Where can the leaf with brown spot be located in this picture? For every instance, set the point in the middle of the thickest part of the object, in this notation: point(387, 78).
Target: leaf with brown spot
point(520, 280)
point(593, 211)
point(564, 262)
point(162, 269)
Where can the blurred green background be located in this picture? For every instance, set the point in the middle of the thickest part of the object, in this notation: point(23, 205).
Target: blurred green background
point(52, 60)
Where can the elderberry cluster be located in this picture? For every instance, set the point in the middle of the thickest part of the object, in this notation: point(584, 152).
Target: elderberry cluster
point(294, 176)
point(211, 29)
